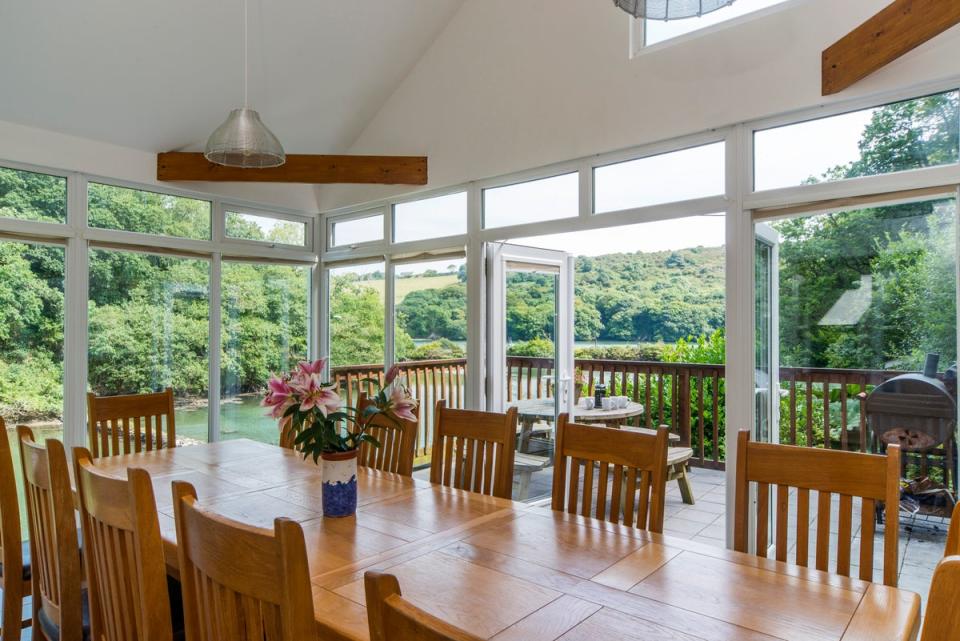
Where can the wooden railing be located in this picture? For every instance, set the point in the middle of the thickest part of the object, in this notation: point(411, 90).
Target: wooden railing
point(428, 381)
point(819, 407)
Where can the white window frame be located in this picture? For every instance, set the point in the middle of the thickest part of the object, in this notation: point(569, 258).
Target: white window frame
point(78, 238)
point(308, 222)
point(737, 203)
point(638, 37)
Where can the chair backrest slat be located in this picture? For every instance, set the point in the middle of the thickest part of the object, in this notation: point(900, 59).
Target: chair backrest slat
point(393, 618)
point(125, 568)
point(941, 620)
point(397, 437)
point(638, 462)
point(114, 423)
point(869, 478)
point(11, 552)
point(239, 581)
point(54, 548)
point(474, 451)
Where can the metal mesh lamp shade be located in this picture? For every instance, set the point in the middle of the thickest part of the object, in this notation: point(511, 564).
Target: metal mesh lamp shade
point(244, 141)
point(670, 9)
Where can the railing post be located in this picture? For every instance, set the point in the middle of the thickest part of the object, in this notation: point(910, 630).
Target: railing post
point(684, 407)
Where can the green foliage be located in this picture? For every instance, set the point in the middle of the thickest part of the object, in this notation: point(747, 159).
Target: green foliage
point(638, 352)
point(435, 313)
point(536, 348)
point(435, 350)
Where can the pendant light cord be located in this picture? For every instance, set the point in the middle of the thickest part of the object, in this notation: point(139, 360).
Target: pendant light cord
point(245, 46)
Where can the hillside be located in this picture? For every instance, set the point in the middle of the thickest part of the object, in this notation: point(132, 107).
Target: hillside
point(640, 297)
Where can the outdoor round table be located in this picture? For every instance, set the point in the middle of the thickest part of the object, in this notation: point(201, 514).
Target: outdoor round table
point(534, 409)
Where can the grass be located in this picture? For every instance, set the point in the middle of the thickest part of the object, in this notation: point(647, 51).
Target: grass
point(406, 285)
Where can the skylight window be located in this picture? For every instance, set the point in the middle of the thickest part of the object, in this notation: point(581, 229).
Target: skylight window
point(651, 32)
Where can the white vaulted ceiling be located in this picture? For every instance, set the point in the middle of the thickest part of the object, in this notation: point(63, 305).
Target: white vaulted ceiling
point(160, 76)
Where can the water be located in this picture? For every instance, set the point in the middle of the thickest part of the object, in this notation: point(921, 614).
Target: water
point(240, 417)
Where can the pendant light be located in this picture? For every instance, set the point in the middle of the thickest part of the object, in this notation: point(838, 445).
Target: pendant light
point(243, 140)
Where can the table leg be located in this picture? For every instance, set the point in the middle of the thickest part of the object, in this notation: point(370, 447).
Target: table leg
point(526, 430)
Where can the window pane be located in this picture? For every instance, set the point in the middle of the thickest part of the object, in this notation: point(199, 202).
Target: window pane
point(357, 230)
point(265, 317)
point(148, 212)
point(149, 329)
point(430, 218)
point(32, 196)
point(431, 308)
point(533, 201)
point(266, 229)
point(680, 175)
point(660, 30)
point(356, 316)
point(31, 334)
point(864, 289)
point(896, 137)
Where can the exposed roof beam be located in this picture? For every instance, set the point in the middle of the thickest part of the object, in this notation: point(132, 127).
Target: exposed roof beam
point(299, 168)
point(898, 28)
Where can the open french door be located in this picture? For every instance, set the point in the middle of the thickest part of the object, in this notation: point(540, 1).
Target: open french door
point(536, 378)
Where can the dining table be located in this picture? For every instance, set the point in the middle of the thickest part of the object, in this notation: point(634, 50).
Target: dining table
point(532, 410)
point(506, 570)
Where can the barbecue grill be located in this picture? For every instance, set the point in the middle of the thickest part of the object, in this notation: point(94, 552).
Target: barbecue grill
point(915, 411)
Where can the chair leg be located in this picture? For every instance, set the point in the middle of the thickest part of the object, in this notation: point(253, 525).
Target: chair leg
point(13, 621)
point(683, 481)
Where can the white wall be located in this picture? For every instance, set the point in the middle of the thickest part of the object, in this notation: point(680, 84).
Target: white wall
point(23, 144)
point(515, 84)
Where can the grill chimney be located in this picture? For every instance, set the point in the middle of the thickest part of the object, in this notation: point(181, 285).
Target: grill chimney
point(930, 366)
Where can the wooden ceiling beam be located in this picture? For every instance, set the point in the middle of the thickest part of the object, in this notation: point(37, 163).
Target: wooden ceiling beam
point(897, 29)
point(299, 168)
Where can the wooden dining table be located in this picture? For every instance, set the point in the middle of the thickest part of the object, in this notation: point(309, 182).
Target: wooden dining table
point(506, 570)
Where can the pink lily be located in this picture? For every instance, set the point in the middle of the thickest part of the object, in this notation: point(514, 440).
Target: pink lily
point(392, 374)
point(279, 391)
point(401, 404)
point(313, 394)
point(315, 367)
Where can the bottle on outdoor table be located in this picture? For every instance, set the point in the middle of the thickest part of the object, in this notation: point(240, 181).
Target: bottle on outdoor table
point(598, 393)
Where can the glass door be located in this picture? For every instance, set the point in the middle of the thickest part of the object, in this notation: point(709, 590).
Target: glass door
point(767, 367)
point(530, 353)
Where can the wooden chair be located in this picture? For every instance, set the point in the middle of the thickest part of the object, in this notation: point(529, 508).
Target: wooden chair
point(942, 616)
point(393, 618)
point(14, 553)
point(870, 477)
point(953, 535)
point(636, 460)
point(397, 438)
point(59, 604)
point(474, 451)
point(240, 581)
point(125, 569)
point(130, 423)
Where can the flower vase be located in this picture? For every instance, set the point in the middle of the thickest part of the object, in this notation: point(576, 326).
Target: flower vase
point(339, 473)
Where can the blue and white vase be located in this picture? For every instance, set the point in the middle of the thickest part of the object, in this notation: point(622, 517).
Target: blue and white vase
point(339, 473)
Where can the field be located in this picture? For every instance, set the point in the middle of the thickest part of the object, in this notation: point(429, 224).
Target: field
point(406, 285)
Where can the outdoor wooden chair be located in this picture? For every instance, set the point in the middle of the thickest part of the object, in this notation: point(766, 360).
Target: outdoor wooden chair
point(125, 569)
point(130, 423)
point(636, 460)
point(870, 477)
point(473, 450)
point(14, 553)
point(240, 581)
point(397, 438)
point(393, 618)
point(60, 609)
point(941, 620)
